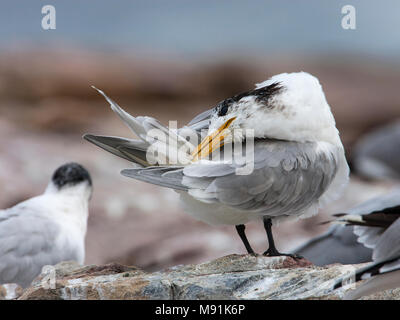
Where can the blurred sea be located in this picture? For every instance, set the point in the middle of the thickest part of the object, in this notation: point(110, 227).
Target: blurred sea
point(192, 29)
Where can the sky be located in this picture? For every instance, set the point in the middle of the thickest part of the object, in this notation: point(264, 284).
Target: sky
point(193, 28)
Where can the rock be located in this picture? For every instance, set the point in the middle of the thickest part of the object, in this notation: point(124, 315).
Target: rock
point(229, 277)
point(10, 291)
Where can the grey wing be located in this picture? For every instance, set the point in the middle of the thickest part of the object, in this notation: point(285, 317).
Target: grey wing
point(26, 245)
point(392, 199)
point(135, 150)
point(120, 147)
point(388, 245)
point(377, 155)
point(338, 245)
point(287, 178)
point(370, 215)
point(170, 177)
point(368, 236)
point(384, 240)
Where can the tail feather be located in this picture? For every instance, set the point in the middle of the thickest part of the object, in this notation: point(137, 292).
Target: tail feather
point(170, 177)
point(162, 147)
point(129, 120)
point(135, 154)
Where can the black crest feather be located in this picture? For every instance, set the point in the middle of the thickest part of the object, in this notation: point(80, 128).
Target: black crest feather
point(261, 95)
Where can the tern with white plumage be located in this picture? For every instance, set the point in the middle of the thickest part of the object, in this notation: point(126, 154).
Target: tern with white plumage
point(298, 158)
point(46, 229)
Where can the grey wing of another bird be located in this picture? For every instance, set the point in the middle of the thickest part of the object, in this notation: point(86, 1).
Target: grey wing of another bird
point(170, 177)
point(384, 208)
point(389, 280)
point(287, 178)
point(352, 244)
point(386, 253)
point(384, 272)
point(27, 242)
point(377, 154)
point(388, 246)
point(338, 245)
point(377, 225)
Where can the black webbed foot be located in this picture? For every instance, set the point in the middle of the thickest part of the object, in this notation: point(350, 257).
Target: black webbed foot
point(272, 252)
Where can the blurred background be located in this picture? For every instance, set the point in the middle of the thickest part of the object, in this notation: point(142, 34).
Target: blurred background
point(171, 60)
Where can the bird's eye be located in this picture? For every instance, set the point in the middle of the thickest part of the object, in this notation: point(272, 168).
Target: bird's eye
point(223, 109)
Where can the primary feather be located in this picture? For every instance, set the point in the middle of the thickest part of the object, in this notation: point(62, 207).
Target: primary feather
point(377, 225)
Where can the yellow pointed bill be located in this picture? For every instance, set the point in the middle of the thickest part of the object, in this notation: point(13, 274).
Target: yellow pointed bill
point(212, 142)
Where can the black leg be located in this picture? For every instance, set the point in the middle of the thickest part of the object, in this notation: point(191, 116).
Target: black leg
point(272, 251)
point(240, 230)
